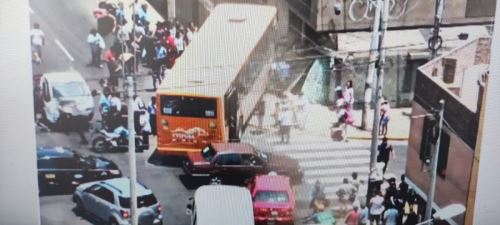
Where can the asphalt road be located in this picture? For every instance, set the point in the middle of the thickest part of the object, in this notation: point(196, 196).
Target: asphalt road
point(66, 25)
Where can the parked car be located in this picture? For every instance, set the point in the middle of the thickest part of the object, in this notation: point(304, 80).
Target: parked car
point(109, 202)
point(60, 168)
point(240, 160)
point(66, 97)
point(273, 199)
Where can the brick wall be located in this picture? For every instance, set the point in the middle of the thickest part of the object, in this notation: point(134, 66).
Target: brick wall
point(454, 187)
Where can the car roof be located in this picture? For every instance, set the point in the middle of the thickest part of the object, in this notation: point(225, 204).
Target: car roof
point(272, 183)
point(234, 147)
point(122, 185)
point(54, 152)
point(224, 205)
point(63, 76)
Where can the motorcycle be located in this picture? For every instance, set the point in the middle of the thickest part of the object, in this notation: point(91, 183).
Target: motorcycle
point(117, 140)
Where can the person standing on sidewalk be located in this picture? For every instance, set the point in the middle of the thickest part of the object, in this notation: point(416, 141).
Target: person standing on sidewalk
point(391, 216)
point(385, 110)
point(342, 114)
point(363, 214)
point(96, 43)
point(37, 41)
point(302, 110)
point(145, 127)
point(287, 121)
point(385, 152)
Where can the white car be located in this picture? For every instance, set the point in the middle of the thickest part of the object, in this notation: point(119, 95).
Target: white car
point(65, 95)
point(109, 202)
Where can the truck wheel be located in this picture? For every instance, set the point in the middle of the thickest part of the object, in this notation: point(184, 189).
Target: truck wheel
point(99, 144)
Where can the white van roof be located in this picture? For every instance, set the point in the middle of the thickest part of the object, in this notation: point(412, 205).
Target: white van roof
point(63, 76)
point(223, 205)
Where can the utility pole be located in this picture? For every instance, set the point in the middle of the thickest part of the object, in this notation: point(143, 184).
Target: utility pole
point(371, 68)
point(435, 41)
point(434, 163)
point(171, 9)
point(374, 173)
point(131, 138)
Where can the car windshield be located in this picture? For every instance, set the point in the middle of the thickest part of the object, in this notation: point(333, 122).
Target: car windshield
point(271, 196)
point(142, 201)
point(99, 163)
point(262, 155)
point(189, 106)
point(58, 163)
point(69, 89)
point(208, 152)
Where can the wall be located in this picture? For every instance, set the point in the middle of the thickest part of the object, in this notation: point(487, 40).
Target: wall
point(395, 75)
point(453, 188)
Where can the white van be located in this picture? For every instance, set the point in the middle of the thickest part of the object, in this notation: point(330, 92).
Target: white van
point(221, 205)
point(65, 95)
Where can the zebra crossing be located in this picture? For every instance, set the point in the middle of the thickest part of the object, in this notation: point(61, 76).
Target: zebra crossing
point(320, 159)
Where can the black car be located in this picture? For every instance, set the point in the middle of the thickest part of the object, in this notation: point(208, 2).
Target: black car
point(62, 169)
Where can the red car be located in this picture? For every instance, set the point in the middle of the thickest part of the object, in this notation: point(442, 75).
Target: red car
point(273, 200)
point(239, 160)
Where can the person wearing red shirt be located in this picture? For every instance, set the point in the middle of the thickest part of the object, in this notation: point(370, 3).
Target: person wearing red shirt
point(353, 217)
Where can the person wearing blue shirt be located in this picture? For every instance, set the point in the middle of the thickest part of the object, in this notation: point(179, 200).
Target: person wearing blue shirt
point(159, 60)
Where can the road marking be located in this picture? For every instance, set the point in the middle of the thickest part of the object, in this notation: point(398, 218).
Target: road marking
point(64, 50)
point(31, 11)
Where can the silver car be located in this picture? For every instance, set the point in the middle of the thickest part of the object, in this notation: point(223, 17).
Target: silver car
point(109, 201)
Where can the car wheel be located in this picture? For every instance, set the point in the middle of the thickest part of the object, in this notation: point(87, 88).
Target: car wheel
point(79, 208)
point(112, 221)
point(99, 144)
point(215, 180)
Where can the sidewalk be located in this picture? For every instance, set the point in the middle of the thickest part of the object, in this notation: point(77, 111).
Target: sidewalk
point(321, 118)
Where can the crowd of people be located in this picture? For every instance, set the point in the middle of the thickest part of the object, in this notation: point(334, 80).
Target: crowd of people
point(389, 204)
point(138, 44)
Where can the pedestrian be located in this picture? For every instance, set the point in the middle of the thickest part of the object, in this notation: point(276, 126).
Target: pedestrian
point(152, 115)
point(349, 94)
point(318, 191)
point(116, 102)
point(104, 101)
point(37, 41)
point(286, 123)
point(385, 152)
point(412, 218)
point(376, 208)
point(277, 113)
point(353, 217)
point(341, 109)
point(391, 216)
point(346, 193)
point(144, 17)
point(96, 43)
point(120, 15)
point(137, 107)
point(114, 69)
point(355, 181)
point(145, 127)
point(385, 110)
point(159, 59)
point(149, 49)
point(302, 109)
point(363, 215)
point(403, 189)
point(261, 112)
point(179, 43)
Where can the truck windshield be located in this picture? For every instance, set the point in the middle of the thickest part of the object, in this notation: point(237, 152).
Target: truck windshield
point(188, 106)
point(69, 89)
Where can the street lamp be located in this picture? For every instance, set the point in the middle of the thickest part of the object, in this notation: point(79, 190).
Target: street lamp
point(445, 213)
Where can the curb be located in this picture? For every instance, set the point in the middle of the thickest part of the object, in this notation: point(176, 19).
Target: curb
point(390, 138)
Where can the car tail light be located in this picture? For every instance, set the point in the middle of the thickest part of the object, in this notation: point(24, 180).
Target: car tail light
point(124, 213)
point(114, 172)
point(261, 211)
point(285, 212)
point(159, 207)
